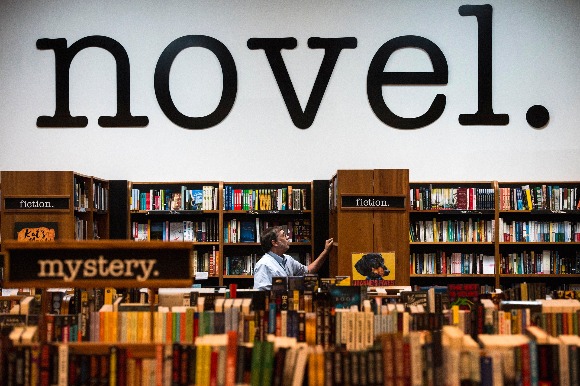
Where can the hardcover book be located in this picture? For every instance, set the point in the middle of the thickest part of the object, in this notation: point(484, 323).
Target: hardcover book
point(236, 265)
point(414, 298)
point(156, 230)
point(248, 232)
point(196, 202)
point(347, 296)
point(176, 231)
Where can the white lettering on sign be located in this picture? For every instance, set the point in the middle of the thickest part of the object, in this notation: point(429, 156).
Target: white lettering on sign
point(69, 270)
point(35, 204)
point(371, 202)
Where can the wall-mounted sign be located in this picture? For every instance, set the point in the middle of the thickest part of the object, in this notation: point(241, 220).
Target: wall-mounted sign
point(37, 203)
point(377, 78)
point(116, 263)
point(371, 202)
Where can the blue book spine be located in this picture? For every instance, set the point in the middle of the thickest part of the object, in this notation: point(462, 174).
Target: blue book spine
point(272, 318)
point(486, 371)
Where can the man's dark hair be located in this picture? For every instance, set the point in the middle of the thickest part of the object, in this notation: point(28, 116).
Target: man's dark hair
point(267, 236)
point(371, 261)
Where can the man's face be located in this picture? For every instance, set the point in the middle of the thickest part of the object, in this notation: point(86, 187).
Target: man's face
point(282, 242)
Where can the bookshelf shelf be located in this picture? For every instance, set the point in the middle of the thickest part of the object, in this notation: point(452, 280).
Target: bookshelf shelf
point(538, 232)
point(452, 230)
point(453, 275)
point(71, 206)
point(249, 208)
point(238, 277)
point(218, 235)
point(362, 229)
point(539, 243)
point(450, 243)
point(535, 275)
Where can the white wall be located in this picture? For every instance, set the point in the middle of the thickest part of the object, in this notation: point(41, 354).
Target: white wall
point(536, 52)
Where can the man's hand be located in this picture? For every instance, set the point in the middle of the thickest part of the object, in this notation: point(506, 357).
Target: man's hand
point(328, 245)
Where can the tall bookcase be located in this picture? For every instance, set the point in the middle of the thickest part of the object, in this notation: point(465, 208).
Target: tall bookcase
point(452, 232)
point(249, 208)
point(223, 220)
point(184, 211)
point(500, 234)
point(54, 204)
point(538, 232)
point(368, 213)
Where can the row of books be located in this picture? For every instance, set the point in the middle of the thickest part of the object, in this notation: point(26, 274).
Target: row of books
point(244, 264)
point(205, 230)
point(249, 231)
point(283, 198)
point(442, 262)
point(349, 328)
point(541, 197)
point(460, 198)
point(468, 230)
point(240, 265)
point(206, 261)
point(100, 196)
point(81, 229)
point(525, 291)
point(182, 198)
point(540, 262)
point(539, 231)
point(442, 357)
point(214, 360)
point(280, 313)
point(80, 193)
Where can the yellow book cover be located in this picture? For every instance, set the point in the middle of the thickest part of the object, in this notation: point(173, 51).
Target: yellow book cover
point(528, 199)
point(146, 326)
point(310, 328)
point(113, 327)
point(373, 268)
point(159, 327)
point(123, 327)
point(134, 323)
point(189, 320)
point(312, 366)
point(109, 296)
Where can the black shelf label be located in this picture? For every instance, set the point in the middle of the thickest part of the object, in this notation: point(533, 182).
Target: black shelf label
point(372, 202)
point(72, 265)
point(36, 203)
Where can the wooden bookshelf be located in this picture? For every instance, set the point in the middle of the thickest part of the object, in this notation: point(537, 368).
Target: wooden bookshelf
point(452, 232)
point(362, 229)
point(224, 250)
point(183, 211)
point(75, 206)
point(538, 227)
point(509, 223)
point(260, 205)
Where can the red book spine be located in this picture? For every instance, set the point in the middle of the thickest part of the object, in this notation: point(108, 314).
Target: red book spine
point(231, 358)
point(214, 358)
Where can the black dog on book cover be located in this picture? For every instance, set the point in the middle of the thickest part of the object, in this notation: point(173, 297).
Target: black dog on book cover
point(372, 265)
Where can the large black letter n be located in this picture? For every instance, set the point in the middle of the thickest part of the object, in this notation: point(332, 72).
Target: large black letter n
point(63, 58)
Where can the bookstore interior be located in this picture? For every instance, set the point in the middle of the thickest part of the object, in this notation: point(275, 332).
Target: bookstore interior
point(427, 283)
